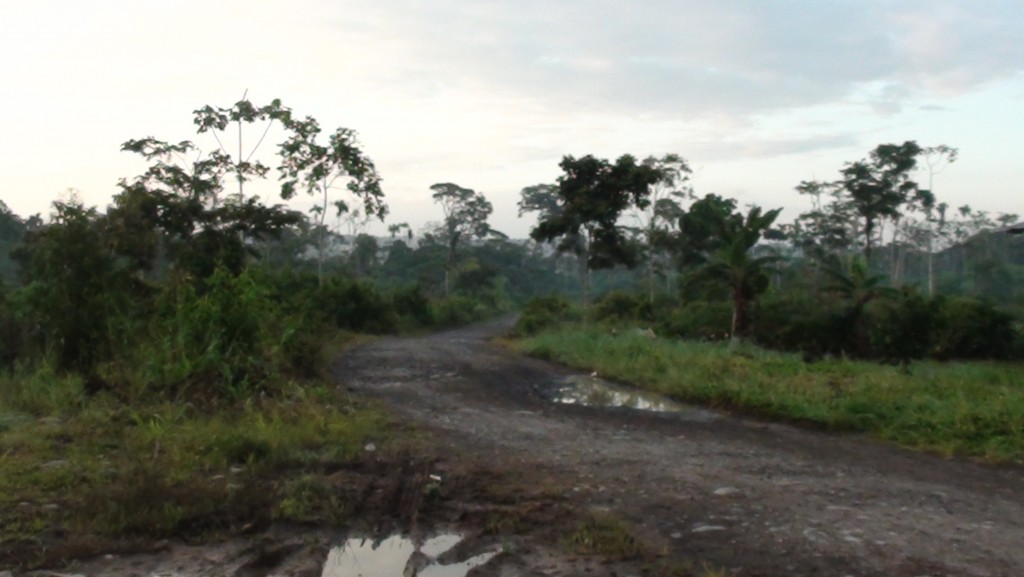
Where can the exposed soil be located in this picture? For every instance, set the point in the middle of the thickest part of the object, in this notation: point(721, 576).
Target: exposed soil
point(755, 498)
point(516, 469)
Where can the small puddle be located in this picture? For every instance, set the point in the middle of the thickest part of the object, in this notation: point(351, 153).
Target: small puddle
point(399, 556)
point(594, 391)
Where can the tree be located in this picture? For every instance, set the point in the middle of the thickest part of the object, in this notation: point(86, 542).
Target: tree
point(879, 186)
point(591, 196)
point(364, 255)
point(177, 203)
point(937, 159)
point(395, 229)
point(824, 233)
point(12, 230)
point(731, 260)
point(465, 214)
point(664, 210)
point(700, 229)
point(318, 168)
point(210, 119)
point(73, 286)
point(857, 287)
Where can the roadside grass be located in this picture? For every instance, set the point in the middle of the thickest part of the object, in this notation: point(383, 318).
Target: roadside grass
point(77, 467)
point(604, 534)
point(973, 408)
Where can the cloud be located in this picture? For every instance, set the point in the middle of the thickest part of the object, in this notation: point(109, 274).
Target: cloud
point(693, 57)
point(747, 147)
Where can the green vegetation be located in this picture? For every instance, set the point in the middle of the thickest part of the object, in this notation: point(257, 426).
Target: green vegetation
point(96, 470)
point(606, 535)
point(160, 359)
point(877, 270)
point(974, 409)
point(161, 362)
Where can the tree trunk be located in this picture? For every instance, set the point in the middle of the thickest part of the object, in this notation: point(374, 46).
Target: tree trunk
point(739, 317)
point(449, 267)
point(869, 228)
point(584, 264)
point(894, 256)
point(323, 232)
point(585, 285)
point(650, 279)
point(931, 265)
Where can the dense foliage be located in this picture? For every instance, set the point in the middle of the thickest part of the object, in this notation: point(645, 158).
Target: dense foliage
point(877, 269)
point(183, 286)
point(188, 287)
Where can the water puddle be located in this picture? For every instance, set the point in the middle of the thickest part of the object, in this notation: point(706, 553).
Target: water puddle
point(399, 556)
point(592, 391)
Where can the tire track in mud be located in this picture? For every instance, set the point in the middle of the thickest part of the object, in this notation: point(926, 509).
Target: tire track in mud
point(755, 497)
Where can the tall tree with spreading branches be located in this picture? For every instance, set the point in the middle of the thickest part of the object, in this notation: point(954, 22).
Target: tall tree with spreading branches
point(592, 194)
point(465, 215)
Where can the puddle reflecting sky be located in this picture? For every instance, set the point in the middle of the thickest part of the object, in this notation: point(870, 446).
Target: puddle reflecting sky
point(398, 556)
point(596, 392)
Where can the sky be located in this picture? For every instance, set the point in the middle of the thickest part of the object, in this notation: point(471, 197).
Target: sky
point(757, 95)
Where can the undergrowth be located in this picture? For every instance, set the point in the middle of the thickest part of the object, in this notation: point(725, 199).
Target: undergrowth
point(970, 408)
point(96, 468)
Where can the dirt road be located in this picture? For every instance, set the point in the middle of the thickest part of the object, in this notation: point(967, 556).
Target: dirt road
point(753, 497)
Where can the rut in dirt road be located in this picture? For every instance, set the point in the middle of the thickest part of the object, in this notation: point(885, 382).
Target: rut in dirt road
point(754, 497)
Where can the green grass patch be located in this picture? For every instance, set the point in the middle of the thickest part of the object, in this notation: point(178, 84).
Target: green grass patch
point(974, 409)
point(74, 466)
point(606, 535)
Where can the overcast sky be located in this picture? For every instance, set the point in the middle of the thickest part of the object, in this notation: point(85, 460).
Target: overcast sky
point(756, 94)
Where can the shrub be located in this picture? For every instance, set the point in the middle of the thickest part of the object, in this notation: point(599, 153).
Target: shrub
point(351, 304)
point(794, 322)
point(662, 306)
point(543, 312)
point(13, 329)
point(411, 303)
point(222, 338)
point(74, 287)
point(699, 320)
point(457, 310)
point(901, 329)
point(968, 328)
point(618, 306)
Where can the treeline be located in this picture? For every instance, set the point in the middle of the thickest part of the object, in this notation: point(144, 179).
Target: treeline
point(187, 282)
point(878, 268)
point(189, 285)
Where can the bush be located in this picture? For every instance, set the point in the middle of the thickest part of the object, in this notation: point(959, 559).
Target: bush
point(457, 310)
point(411, 303)
point(662, 307)
point(13, 329)
point(542, 313)
point(224, 338)
point(968, 328)
point(74, 287)
point(220, 332)
point(701, 320)
point(795, 322)
point(354, 305)
point(618, 306)
point(901, 329)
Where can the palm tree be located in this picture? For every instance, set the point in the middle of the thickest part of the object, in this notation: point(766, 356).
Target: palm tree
point(733, 264)
point(857, 287)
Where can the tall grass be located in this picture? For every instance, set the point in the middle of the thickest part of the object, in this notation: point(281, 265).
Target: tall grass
point(974, 409)
point(168, 469)
point(40, 391)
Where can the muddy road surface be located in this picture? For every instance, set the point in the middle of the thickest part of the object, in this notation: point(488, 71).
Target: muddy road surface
point(751, 497)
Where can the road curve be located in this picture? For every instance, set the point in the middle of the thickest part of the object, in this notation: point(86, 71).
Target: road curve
point(755, 497)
